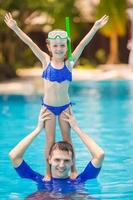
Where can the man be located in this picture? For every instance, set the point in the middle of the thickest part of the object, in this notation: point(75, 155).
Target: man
point(60, 158)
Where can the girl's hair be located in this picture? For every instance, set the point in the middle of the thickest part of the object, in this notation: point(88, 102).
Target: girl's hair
point(63, 146)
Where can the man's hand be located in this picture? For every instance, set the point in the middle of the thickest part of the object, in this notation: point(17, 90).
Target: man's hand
point(101, 22)
point(43, 116)
point(10, 22)
point(70, 119)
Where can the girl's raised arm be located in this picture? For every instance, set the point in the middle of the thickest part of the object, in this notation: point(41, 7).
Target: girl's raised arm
point(11, 23)
point(85, 41)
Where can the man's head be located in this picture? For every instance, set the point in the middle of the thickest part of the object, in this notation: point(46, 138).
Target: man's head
point(61, 157)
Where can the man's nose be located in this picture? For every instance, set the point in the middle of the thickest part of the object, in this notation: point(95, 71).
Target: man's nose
point(61, 163)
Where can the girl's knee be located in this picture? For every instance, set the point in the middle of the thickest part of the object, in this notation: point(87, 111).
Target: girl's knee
point(50, 142)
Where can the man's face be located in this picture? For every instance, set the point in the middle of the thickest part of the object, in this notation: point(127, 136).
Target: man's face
point(61, 162)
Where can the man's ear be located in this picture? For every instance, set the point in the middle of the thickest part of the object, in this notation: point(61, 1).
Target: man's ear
point(49, 160)
point(72, 162)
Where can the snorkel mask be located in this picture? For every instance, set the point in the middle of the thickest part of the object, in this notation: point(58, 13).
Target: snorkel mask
point(58, 34)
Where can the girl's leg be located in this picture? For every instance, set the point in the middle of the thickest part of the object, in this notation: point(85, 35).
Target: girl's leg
point(66, 135)
point(50, 139)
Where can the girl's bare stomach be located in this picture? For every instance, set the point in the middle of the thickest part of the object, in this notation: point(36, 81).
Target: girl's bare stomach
point(56, 94)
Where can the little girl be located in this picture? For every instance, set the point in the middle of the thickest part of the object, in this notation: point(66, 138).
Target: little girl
point(57, 75)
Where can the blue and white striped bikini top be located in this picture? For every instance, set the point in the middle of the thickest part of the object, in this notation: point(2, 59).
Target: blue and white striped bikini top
point(58, 75)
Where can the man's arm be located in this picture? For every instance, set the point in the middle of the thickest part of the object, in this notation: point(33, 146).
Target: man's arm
point(95, 150)
point(85, 41)
point(11, 23)
point(17, 153)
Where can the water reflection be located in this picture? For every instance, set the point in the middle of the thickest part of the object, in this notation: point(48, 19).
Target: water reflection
point(56, 196)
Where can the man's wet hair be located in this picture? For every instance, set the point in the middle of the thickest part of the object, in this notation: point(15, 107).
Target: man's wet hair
point(62, 146)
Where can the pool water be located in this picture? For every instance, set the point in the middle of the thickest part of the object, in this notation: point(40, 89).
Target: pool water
point(104, 110)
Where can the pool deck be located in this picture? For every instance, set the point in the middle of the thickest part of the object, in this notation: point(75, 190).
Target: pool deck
point(29, 81)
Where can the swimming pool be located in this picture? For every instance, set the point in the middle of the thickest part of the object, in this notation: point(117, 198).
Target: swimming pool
point(103, 109)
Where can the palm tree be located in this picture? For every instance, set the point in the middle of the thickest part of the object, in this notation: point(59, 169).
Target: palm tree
point(116, 9)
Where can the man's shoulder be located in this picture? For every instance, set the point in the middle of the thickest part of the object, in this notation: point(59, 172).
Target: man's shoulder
point(89, 172)
point(25, 171)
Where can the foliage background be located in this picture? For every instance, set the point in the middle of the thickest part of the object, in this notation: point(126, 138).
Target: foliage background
point(36, 18)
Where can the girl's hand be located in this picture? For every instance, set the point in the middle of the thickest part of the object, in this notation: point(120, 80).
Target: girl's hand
point(101, 22)
point(43, 116)
point(10, 22)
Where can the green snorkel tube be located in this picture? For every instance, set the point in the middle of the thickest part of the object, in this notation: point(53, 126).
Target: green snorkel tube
point(69, 40)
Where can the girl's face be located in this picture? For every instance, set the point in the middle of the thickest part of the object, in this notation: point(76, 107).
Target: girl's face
point(58, 48)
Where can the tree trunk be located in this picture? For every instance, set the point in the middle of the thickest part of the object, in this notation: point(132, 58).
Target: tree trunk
point(10, 49)
point(113, 55)
point(7, 61)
